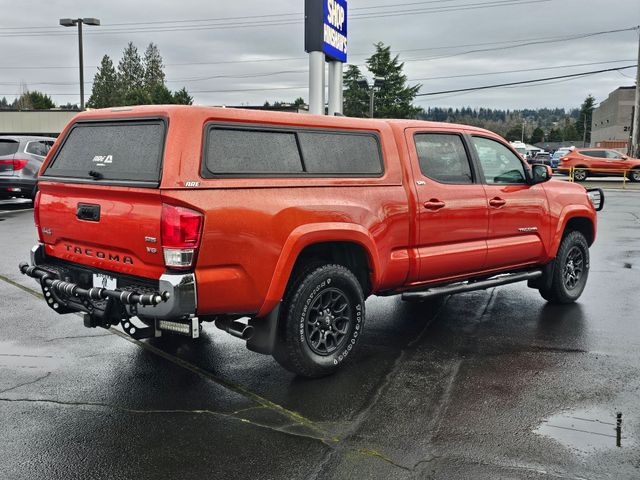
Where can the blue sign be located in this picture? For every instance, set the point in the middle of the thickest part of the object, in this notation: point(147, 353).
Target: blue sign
point(335, 29)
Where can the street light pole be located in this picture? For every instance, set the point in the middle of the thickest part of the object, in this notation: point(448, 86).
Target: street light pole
point(372, 95)
point(81, 55)
point(70, 22)
point(377, 84)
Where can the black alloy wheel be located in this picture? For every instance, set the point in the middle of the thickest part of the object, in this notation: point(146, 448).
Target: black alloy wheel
point(573, 268)
point(328, 321)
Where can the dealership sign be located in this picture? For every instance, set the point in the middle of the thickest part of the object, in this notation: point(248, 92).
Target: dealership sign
point(326, 28)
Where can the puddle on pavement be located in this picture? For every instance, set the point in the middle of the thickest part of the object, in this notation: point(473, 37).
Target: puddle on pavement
point(587, 431)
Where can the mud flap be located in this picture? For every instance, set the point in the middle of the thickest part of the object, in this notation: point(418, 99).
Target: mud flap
point(263, 339)
point(543, 282)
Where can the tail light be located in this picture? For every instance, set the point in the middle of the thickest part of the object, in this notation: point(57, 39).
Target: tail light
point(36, 216)
point(564, 159)
point(15, 164)
point(181, 229)
point(19, 164)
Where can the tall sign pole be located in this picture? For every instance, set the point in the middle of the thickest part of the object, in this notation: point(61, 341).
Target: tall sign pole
point(635, 132)
point(325, 39)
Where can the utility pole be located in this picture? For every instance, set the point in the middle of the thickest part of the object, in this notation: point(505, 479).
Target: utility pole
point(523, 123)
point(635, 135)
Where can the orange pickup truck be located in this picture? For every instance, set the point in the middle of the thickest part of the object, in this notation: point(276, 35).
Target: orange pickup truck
point(278, 226)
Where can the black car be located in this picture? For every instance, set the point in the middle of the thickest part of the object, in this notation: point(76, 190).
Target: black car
point(541, 157)
point(20, 161)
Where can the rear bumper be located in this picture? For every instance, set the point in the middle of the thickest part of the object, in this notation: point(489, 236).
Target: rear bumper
point(173, 296)
point(16, 187)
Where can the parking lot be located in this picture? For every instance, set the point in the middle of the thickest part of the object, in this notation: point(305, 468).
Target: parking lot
point(490, 384)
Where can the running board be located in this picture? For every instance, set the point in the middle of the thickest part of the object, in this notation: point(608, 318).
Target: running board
point(471, 286)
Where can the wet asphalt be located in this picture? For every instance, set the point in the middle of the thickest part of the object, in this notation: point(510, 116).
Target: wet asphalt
point(492, 384)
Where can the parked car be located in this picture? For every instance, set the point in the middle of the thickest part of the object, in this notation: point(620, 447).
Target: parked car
point(278, 226)
point(543, 158)
point(599, 162)
point(558, 154)
point(20, 159)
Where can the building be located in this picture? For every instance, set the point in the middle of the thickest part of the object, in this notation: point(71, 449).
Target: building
point(47, 123)
point(611, 123)
point(50, 123)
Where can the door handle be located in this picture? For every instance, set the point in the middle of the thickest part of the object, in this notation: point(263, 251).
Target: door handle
point(434, 204)
point(497, 202)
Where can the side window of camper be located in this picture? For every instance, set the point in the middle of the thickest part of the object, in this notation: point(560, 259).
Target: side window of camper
point(232, 151)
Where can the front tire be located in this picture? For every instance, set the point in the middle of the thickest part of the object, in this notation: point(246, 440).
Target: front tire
point(634, 175)
point(323, 316)
point(570, 271)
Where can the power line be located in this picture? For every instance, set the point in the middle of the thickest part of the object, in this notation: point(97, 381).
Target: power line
point(224, 19)
point(285, 72)
point(533, 41)
point(284, 22)
point(523, 82)
point(525, 44)
point(517, 71)
point(470, 89)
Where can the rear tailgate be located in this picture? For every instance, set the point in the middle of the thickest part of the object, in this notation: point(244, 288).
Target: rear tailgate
point(8, 148)
point(99, 200)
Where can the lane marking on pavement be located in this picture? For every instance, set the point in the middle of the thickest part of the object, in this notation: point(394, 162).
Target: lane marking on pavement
point(30, 291)
point(323, 435)
point(295, 416)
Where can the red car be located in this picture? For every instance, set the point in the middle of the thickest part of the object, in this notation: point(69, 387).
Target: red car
point(599, 162)
point(278, 226)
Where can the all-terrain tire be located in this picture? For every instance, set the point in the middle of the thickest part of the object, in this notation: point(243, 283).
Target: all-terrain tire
point(321, 320)
point(570, 271)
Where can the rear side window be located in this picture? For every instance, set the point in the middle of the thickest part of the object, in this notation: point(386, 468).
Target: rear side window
point(594, 153)
point(117, 151)
point(40, 148)
point(234, 151)
point(8, 147)
point(333, 153)
point(443, 158)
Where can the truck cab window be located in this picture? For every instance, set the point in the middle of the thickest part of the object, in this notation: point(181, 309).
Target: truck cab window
point(443, 158)
point(499, 164)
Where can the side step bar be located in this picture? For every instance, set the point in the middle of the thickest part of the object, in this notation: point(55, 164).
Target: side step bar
point(471, 285)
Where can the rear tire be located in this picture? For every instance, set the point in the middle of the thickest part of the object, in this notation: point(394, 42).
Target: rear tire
point(579, 175)
point(321, 320)
point(570, 271)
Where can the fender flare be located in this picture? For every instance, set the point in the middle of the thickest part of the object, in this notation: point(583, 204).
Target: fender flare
point(567, 213)
point(309, 234)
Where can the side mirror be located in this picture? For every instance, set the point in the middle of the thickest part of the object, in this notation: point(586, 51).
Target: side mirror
point(624, 157)
point(540, 173)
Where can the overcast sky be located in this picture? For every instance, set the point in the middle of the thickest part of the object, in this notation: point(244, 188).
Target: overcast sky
point(209, 47)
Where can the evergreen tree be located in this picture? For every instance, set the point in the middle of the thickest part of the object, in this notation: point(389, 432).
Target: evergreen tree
point(393, 100)
point(4, 105)
point(104, 92)
point(182, 97)
point(537, 136)
point(160, 95)
point(153, 67)
point(130, 74)
point(34, 101)
point(356, 98)
point(555, 135)
point(583, 124)
point(514, 133)
point(299, 102)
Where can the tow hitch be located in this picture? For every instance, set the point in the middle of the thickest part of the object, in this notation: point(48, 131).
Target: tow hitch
point(103, 307)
